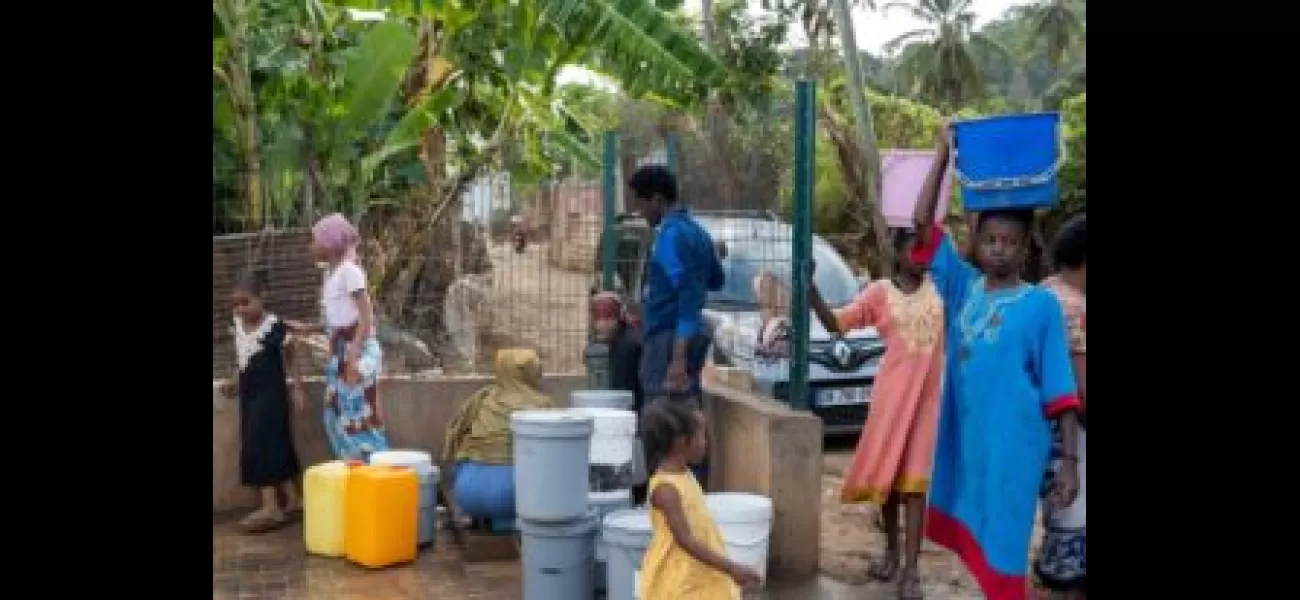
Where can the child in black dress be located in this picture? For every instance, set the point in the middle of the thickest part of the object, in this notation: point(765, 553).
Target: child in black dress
point(267, 459)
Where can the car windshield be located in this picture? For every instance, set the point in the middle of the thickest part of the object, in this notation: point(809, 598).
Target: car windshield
point(745, 260)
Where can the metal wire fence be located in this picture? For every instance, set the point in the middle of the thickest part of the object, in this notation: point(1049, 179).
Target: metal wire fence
point(493, 279)
point(514, 264)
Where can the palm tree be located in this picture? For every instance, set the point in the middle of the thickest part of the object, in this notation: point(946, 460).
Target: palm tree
point(1056, 24)
point(938, 60)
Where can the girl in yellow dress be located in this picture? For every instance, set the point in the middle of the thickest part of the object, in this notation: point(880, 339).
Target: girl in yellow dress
point(686, 559)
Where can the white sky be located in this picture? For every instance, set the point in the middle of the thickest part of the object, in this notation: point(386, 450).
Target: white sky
point(873, 29)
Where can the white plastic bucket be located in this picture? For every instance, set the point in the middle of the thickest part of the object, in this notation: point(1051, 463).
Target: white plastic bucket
point(552, 449)
point(558, 558)
point(422, 464)
point(616, 399)
point(745, 521)
point(613, 434)
point(613, 443)
point(604, 503)
point(626, 536)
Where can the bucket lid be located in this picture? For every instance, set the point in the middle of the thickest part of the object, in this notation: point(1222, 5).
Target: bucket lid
point(409, 458)
point(333, 465)
point(602, 398)
point(559, 422)
point(628, 528)
point(584, 525)
point(601, 394)
point(613, 420)
point(549, 415)
point(737, 507)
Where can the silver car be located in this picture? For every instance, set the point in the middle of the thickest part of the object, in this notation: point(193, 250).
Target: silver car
point(841, 372)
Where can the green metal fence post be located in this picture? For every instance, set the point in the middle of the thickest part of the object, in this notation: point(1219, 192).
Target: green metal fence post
point(671, 148)
point(609, 191)
point(805, 135)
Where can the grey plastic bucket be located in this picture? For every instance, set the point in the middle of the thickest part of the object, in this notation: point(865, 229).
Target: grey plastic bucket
point(428, 507)
point(604, 503)
point(558, 559)
point(619, 399)
point(625, 535)
point(551, 464)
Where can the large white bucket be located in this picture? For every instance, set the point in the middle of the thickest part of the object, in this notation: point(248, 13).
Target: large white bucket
point(552, 449)
point(613, 443)
point(558, 558)
point(616, 399)
point(625, 535)
point(422, 464)
point(745, 521)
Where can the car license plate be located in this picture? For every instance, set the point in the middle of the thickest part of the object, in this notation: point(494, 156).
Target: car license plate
point(843, 396)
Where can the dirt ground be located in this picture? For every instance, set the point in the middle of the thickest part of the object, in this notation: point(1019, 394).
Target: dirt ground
point(851, 539)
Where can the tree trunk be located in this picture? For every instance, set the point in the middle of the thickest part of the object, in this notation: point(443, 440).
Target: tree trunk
point(866, 137)
point(715, 121)
point(849, 156)
point(234, 15)
point(308, 180)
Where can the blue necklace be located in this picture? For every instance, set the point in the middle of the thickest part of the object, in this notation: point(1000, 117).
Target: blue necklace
point(981, 315)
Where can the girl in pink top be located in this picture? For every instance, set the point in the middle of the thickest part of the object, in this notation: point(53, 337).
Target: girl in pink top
point(353, 423)
point(891, 466)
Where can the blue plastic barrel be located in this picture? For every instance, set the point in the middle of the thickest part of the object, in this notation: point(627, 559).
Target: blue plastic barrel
point(1008, 161)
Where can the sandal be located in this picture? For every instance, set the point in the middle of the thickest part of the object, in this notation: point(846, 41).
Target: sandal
point(260, 523)
point(884, 569)
point(909, 586)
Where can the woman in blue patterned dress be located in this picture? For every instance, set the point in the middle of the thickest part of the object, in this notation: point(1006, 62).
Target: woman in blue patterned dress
point(1062, 565)
point(1007, 377)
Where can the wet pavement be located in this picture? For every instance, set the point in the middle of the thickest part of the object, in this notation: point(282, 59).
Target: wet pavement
point(275, 566)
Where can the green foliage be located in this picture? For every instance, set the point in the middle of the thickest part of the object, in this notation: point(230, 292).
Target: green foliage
point(1074, 174)
point(333, 92)
point(938, 62)
point(748, 43)
point(899, 123)
point(1027, 54)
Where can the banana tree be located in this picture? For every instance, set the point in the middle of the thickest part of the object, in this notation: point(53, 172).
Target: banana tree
point(230, 66)
point(484, 74)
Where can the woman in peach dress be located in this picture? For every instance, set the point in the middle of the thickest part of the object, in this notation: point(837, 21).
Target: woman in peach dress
point(891, 466)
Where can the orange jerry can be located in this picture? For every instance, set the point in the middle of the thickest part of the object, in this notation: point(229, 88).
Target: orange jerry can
point(382, 514)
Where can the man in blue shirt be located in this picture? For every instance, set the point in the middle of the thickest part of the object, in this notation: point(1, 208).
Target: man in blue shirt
point(682, 265)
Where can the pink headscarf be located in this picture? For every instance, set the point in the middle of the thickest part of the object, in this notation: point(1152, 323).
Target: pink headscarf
point(336, 233)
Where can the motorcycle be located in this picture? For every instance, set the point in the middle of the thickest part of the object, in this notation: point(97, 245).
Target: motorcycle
point(521, 241)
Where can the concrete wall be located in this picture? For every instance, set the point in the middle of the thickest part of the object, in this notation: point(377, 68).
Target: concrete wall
point(761, 447)
point(416, 412)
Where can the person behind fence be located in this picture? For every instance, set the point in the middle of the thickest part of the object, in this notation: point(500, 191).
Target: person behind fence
point(353, 421)
point(686, 557)
point(267, 459)
point(891, 466)
point(614, 324)
point(683, 265)
point(478, 451)
point(1007, 376)
point(1062, 565)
